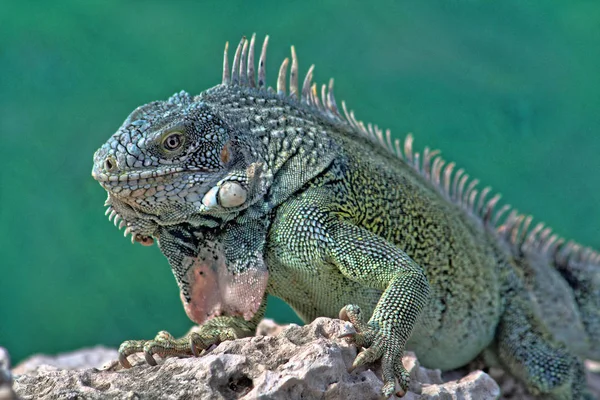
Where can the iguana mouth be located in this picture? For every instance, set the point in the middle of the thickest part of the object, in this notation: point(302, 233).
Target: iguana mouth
point(137, 176)
point(134, 188)
point(138, 224)
point(148, 175)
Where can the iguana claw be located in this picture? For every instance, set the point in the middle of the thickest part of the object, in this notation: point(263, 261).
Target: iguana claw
point(192, 344)
point(193, 347)
point(123, 360)
point(377, 344)
point(163, 344)
point(149, 358)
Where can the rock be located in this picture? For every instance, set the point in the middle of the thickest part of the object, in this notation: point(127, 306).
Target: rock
point(268, 327)
point(6, 379)
point(477, 385)
point(5, 374)
point(510, 388)
point(593, 376)
point(428, 384)
point(290, 362)
point(85, 358)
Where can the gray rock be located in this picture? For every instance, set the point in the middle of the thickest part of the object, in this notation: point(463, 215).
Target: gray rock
point(6, 379)
point(477, 385)
point(292, 362)
point(593, 376)
point(84, 358)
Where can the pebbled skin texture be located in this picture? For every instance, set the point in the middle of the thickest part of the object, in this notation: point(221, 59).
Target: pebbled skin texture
point(252, 192)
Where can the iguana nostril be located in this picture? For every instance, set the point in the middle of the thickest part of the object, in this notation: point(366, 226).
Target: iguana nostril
point(110, 164)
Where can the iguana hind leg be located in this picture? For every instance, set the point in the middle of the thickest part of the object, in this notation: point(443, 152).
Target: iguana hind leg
point(584, 279)
point(526, 349)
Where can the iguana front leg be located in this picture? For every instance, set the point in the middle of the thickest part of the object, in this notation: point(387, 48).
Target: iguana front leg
point(199, 338)
point(369, 259)
point(308, 237)
point(222, 280)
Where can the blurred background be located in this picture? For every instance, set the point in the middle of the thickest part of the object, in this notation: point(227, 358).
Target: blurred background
point(510, 90)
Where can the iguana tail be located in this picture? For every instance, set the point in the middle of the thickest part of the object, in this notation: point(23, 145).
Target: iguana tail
point(577, 266)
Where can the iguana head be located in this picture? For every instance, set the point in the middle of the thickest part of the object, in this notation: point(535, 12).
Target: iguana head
point(206, 158)
point(161, 162)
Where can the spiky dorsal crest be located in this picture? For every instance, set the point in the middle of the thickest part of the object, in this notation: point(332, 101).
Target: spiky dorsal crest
point(457, 186)
point(242, 73)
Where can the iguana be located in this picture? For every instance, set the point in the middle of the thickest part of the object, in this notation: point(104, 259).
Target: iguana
point(251, 191)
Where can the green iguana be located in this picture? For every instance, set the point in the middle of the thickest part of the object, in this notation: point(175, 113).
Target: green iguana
point(252, 191)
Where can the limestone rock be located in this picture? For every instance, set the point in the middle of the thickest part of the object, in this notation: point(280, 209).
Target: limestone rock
point(84, 358)
point(289, 362)
point(6, 380)
point(477, 385)
point(593, 376)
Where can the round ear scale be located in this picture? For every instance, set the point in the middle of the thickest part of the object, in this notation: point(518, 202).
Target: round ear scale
point(232, 191)
point(227, 195)
point(232, 194)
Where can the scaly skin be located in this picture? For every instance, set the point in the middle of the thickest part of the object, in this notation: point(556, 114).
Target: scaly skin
point(252, 192)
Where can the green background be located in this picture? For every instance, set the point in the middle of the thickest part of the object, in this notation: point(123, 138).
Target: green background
point(509, 89)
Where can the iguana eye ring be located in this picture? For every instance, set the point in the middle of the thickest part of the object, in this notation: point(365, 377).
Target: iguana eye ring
point(173, 141)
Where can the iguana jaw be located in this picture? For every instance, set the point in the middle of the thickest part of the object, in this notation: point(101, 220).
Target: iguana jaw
point(139, 225)
point(160, 191)
point(146, 175)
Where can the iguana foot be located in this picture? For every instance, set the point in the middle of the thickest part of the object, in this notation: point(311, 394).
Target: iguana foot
point(163, 344)
point(197, 340)
point(377, 344)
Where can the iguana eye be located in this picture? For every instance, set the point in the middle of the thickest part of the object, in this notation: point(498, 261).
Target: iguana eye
point(173, 141)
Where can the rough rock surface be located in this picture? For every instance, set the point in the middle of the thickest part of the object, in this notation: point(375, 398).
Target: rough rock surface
point(6, 380)
point(290, 362)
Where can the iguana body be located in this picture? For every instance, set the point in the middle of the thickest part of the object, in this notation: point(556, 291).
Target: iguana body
point(251, 191)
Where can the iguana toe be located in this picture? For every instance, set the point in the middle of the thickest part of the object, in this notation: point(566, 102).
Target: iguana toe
point(198, 343)
point(149, 358)
point(163, 344)
point(363, 336)
point(377, 345)
point(128, 348)
point(123, 360)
